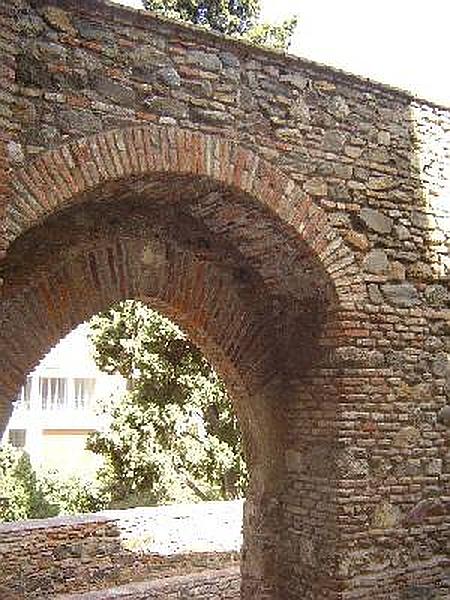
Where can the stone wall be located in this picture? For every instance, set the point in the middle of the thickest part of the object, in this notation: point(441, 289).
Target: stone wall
point(294, 220)
point(218, 585)
point(44, 557)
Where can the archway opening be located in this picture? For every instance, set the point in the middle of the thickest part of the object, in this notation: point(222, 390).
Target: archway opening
point(163, 454)
point(163, 425)
point(250, 292)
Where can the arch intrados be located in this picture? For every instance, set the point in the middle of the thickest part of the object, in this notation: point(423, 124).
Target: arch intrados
point(221, 226)
point(261, 427)
point(46, 328)
point(79, 228)
point(40, 253)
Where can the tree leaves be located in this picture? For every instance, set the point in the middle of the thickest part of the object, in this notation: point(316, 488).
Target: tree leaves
point(237, 18)
point(173, 435)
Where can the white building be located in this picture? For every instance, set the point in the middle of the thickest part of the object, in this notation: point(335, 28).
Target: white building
point(55, 411)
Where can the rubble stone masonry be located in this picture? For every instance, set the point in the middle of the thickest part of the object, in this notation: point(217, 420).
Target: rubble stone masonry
point(215, 585)
point(45, 557)
point(294, 220)
point(48, 558)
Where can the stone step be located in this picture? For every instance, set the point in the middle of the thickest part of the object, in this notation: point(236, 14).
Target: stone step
point(223, 584)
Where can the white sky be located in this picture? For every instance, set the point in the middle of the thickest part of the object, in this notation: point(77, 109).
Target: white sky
point(73, 354)
point(405, 43)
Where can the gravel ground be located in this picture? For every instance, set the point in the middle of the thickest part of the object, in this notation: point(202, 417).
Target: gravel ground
point(182, 528)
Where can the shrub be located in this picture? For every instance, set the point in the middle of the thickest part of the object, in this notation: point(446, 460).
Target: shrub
point(20, 490)
point(24, 494)
point(73, 495)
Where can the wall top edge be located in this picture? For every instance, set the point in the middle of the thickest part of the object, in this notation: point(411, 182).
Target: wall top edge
point(142, 18)
point(54, 522)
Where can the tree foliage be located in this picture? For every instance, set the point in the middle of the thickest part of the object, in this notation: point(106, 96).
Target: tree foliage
point(237, 18)
point(71, 495)
point(172, 435)
point(27, 494)
point(20, 492)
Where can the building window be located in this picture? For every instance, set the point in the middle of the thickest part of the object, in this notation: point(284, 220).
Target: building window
point(24, 397)
point(83, 392)
point(53, 393)
point(17, 437)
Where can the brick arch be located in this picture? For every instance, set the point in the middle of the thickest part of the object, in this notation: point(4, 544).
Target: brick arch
point(274, 406)
point(195, 294)
point(66, 175)
point(199, 297)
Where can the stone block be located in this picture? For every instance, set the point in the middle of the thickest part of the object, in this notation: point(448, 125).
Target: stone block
point(376, 262)
point(59, 19)
point(375, 220)
point(444, 416)
point(400, 294)
point(204, 60)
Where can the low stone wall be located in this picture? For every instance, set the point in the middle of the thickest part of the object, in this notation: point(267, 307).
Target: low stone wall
point(216, 585)
point(44, 557)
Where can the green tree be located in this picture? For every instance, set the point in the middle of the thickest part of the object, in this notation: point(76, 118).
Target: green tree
point(21, 495)
point(27, 494)
point(172, 435)
point(232, 17)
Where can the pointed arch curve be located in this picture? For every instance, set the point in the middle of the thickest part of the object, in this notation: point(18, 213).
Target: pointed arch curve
point(66, 175)
point(112, 164)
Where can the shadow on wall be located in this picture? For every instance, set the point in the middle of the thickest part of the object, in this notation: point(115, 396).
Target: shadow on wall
point(392, 390)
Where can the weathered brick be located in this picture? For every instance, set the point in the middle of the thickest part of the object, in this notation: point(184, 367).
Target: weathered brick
point(216, 166)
